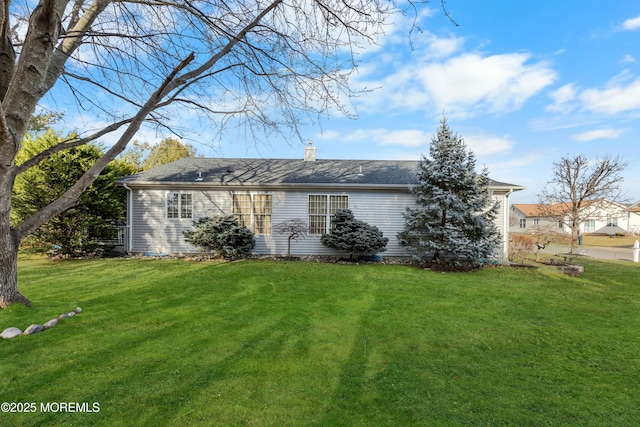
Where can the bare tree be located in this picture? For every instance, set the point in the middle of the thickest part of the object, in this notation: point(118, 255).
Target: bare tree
point(579, 188)
point(294, 229)
point(264, 65)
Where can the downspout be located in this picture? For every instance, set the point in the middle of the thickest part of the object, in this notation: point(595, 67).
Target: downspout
point(505, 226)
point(129, 216)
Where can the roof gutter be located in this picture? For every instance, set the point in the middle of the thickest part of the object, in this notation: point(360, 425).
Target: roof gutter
point(288, 186)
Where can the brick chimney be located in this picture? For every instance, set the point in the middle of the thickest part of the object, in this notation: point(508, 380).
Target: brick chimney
point(310, 152)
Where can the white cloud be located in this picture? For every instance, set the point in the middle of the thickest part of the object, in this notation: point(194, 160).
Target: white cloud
point(499, 83)
point(631, 24)
point(442, 47)
point(612, 99)
point(460, 86)
point(381, 136)
point(485, 145)
point(628, 59)
point(598, 134)
point(564, 99)
point(406, 138)
point(620, 94)
point(481, 144)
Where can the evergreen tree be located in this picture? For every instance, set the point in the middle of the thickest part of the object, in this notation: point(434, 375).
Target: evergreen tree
point(77, 230)
point(221, 234)
point(354, 236)
point(453, 226)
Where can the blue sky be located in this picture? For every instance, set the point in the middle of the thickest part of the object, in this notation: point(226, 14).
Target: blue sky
point(523, 83)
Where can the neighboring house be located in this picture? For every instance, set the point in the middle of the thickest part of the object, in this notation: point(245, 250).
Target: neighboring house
point(526, 218)
point(163, 202)
point(633, 218)
point(602, 217)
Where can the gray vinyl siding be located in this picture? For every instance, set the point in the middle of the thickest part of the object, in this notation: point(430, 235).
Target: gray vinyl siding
point(382, 209)
point(502, 222)
point(152, 232)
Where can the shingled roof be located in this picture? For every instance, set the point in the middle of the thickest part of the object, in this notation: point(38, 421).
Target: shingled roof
point(283, 172)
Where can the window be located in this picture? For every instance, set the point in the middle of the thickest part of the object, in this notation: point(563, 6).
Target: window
point(242, 209)
point(612, 222)
point(523, 222)
point(536, 221)
point(590, 226)
point(262, 213)
point(253, 211)
point(322, 208)
point(179, 205)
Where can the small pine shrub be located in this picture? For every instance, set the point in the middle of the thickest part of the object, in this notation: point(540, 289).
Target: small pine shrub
point(354, 236)
point(221, 235)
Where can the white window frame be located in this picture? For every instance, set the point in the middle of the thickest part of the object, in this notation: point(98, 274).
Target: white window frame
point(331, 203)
point(523, 222)
point(612, 221)
point(253, 216)
point(180, 213)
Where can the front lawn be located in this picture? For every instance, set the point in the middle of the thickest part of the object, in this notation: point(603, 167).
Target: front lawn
point(163, 342)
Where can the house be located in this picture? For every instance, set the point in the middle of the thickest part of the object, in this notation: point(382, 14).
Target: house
point(599, 217)
point(633, 218)
point(164, 201)
point(527, 218)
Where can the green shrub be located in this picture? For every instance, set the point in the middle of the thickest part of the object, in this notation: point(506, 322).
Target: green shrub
point(354, 236)
point(221, 235)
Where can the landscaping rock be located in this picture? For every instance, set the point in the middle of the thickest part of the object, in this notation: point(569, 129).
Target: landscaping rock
point(50, 324)
point(11, 333)
point(33, 329)
point(572, 270)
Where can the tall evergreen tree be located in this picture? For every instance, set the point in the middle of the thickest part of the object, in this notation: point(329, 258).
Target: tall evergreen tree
point(453, 226)
point(99, 207)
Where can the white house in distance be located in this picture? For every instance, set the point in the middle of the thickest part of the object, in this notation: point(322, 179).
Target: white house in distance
point(633, 215)
point(164, 201)
point(606, 217)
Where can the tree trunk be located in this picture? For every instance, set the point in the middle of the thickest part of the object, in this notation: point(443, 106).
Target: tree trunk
point(9, 292)
point(574, 237)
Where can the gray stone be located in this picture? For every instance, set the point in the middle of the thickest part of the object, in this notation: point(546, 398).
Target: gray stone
point(11, 333)
point(50, 324)
point(78, 310)
point(63, 316)
point(71, 313)
point(572, 270)
point(33, 329)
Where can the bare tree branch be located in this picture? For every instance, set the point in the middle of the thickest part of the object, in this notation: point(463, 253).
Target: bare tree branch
point(264, 65)
point(578, 188)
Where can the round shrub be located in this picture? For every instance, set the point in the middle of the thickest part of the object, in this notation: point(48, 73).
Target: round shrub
point(354, 236)
point(222, 235)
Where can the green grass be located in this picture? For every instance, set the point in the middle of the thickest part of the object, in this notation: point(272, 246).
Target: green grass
point(591, 240)
point(610, 241)
point(176, 343)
